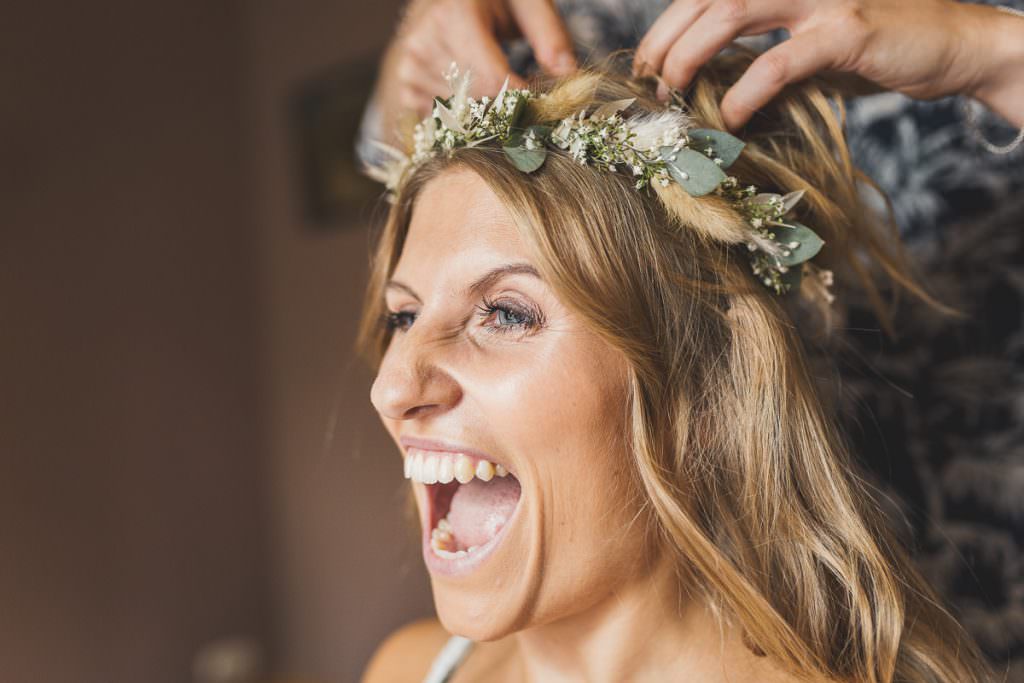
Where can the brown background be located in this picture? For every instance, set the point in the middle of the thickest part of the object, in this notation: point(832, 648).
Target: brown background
point(175, 352)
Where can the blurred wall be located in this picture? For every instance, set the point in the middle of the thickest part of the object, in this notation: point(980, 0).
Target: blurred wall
point(132, 434)
point(187, 448)
point(345, 569)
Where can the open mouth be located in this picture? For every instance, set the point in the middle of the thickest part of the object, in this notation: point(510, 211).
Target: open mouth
point(471, 500)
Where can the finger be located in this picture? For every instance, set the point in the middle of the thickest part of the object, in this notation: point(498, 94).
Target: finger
point(411, 98)
point(791, 61)
point(673, 22)
point(416, 73)
point(472, 44)
point(722, 23)
point(426, 41)
point(544, 30)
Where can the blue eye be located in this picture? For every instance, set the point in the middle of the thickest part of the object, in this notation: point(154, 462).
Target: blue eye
point(510, 317)
point(398, 321)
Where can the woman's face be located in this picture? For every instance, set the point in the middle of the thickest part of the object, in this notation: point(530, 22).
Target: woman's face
point(487, 370)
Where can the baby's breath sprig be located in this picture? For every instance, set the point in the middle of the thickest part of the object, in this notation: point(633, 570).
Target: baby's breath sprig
point(657, 147)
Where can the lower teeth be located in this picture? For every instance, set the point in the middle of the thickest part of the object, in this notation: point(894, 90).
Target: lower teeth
point(441, 542)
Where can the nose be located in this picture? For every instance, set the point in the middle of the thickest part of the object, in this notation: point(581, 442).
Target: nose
point(412, 381)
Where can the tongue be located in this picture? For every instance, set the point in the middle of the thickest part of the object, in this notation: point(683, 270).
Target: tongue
point(479, 509)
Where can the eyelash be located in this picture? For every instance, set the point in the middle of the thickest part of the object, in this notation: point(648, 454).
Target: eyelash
point(528, 320)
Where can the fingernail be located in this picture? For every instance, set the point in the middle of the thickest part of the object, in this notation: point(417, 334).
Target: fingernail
point(662, 91)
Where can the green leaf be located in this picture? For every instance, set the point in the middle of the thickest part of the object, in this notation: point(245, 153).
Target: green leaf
point(517, 111)
point(697, 174)
point(807, 242)
point(527, 160)
point(725, 146)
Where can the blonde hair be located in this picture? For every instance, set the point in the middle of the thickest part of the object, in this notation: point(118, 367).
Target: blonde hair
point(746, 477)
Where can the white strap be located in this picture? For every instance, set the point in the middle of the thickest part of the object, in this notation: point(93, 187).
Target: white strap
point(448, 659)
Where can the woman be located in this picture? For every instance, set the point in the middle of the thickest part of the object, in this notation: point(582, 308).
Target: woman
point(590, 363)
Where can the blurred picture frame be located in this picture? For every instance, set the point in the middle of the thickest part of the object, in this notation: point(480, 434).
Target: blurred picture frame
point(325, 114)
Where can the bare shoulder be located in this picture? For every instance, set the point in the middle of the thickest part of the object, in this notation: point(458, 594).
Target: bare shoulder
point(491, 662)
point(407, 653)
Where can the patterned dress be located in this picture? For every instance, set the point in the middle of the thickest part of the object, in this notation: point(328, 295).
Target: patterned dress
point(937, 415)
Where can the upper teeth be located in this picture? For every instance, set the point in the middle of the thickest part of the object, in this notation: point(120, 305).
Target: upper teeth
point(432, 467)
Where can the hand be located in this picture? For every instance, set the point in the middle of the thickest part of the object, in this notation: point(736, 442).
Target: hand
point(922, 48)
point(434, 33)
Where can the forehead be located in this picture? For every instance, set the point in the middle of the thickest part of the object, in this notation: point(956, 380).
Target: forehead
point(459, 224)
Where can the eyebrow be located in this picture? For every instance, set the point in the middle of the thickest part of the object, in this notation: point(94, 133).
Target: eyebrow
point(481, 283)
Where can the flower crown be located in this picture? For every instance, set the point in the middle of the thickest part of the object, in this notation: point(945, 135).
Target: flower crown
point(655, 148)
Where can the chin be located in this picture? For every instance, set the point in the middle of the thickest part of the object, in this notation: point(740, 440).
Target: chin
point(463, 615)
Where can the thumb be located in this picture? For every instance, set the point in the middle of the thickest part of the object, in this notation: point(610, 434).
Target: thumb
point(545, 31)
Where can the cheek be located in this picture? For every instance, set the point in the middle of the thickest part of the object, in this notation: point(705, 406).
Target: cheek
point(577, 430)
point(594, 535)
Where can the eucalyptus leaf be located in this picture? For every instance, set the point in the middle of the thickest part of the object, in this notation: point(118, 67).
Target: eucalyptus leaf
point(697, 174)
point(725, 146)
point(527, 160)
point(807, 242)
point(517, 110)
